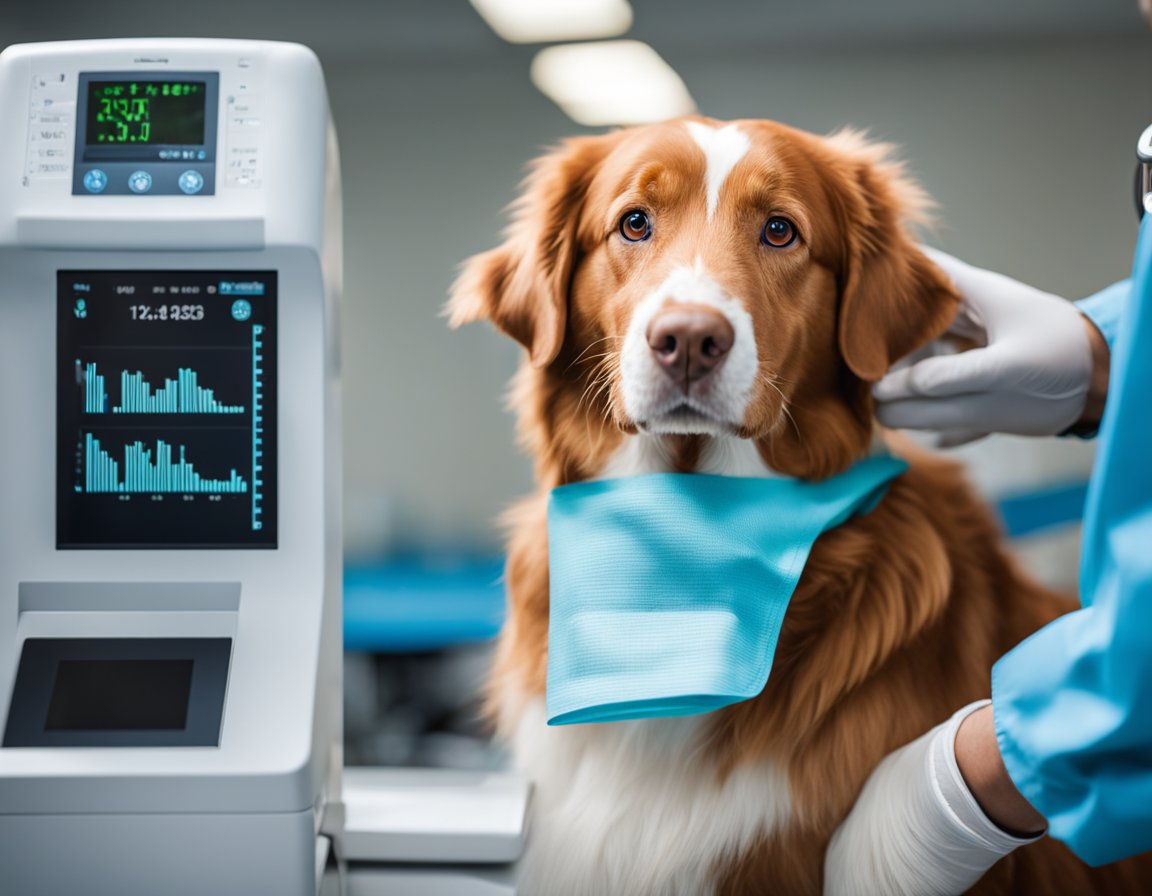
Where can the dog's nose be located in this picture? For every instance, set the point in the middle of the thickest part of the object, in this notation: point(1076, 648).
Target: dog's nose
point(689, 341)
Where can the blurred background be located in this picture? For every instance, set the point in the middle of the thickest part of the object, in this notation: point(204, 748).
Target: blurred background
point(1020, 119)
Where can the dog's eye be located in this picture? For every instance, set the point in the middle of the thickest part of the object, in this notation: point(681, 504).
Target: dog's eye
point(779, 233)
point(635, 227)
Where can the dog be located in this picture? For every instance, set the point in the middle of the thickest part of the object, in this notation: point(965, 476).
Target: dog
point(706, 297)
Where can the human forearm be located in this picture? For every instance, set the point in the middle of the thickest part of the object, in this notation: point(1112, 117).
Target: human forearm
point(978, 756)
point(915, 829)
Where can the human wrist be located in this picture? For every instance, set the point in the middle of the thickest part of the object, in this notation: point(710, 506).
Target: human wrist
point(1095, 398)
point(982, 767)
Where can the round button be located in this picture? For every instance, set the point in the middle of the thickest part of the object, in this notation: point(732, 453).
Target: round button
point(191, 182)
point(241, 309)
point(140, 182)
point(95, 181)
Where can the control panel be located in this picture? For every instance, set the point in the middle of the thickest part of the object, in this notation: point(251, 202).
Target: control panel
point(146, 132)
point(151, 132)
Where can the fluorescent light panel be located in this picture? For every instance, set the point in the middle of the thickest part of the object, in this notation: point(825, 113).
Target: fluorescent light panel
point(611, 83)
point(543, 21)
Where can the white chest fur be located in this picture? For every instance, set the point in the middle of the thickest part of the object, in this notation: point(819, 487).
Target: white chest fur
point(636, 808)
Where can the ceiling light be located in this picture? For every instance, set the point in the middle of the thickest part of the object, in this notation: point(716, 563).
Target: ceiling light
point(542, 21)
point(609, 83)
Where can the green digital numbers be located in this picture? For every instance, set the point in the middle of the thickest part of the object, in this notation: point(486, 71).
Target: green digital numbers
point(122, 112)
point(124, 119)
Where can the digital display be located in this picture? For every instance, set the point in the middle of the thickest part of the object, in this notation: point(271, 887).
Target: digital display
point(146, 112)
point(146, 133)
point(166, 409)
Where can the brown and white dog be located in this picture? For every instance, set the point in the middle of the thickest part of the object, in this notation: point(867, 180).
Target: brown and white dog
point(697, 296)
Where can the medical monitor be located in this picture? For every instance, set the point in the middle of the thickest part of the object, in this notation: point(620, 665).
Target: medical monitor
point(166, 409)
point(170, 547)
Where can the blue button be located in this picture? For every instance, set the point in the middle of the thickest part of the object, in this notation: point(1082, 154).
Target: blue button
point(191, 182)
point(241, 309)
point(95, 181)
point(140, 182)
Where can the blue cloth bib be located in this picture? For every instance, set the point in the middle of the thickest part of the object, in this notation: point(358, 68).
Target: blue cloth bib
point(668, 590)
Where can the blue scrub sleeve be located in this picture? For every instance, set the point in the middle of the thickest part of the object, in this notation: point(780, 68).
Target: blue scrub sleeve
point(1073, 703)
point(1106, 308)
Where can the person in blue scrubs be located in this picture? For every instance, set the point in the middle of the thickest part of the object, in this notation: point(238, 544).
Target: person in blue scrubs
point(1065, 745)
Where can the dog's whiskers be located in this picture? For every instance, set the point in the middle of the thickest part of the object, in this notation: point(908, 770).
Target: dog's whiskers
point(770, 380)
point(598, 385)
point(601, 376)
point(580, 358)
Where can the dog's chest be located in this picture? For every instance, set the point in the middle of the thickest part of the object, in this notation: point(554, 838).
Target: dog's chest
point(637, 808)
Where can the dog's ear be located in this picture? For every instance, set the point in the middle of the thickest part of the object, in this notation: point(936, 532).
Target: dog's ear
point(522, 286)
point(893, 298)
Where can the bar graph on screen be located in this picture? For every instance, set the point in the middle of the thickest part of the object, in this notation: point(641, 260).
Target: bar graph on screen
point(132, 452)
point(150, 470)
point(183, 395)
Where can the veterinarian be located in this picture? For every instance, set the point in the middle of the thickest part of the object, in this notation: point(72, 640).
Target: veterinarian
point(1065, 745)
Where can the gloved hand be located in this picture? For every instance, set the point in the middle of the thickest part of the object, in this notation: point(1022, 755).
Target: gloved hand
point(915, 829)
point(1031, 378)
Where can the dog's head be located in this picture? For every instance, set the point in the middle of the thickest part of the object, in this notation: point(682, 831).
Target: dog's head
point(696, 279)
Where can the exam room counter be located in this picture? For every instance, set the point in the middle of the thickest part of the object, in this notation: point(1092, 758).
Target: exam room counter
point(415, 602)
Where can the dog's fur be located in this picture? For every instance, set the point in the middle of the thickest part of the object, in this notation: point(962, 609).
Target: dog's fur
point(899, 614)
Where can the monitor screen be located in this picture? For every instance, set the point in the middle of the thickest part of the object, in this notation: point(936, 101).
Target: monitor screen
point(146, 134)
point(166, 409)
point(145, 112)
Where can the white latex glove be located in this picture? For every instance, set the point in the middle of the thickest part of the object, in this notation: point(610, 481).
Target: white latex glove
point(916, 830)
point(1031, 378)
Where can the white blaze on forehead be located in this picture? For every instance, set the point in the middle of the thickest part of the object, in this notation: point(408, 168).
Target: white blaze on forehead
point(723, 148)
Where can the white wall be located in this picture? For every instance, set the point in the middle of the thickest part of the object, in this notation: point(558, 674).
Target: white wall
point(431, 155)
point(1027, 146)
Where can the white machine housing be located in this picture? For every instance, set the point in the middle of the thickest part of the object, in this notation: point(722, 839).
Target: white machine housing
point(249, 814)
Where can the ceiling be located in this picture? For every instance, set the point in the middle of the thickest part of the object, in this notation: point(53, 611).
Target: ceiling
point(400, 30)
